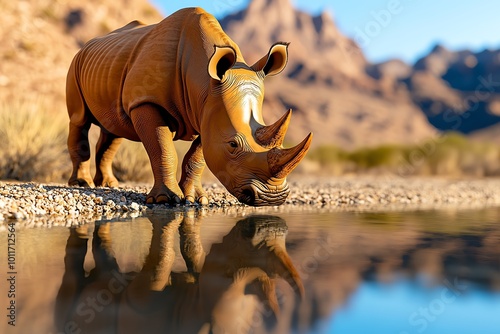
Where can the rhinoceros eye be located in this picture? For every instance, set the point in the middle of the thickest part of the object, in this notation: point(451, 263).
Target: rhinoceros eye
point(232, 146)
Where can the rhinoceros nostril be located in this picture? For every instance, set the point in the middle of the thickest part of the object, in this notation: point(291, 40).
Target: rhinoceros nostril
point(247, 196)
point(260, 194)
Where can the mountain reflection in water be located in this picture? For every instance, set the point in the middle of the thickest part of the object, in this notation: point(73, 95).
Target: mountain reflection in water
point(303, 272)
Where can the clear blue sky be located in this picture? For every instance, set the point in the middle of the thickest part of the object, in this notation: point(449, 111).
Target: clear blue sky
point(412, 27)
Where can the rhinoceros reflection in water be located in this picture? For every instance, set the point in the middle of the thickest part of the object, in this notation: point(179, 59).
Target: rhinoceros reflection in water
point(219, 293)
point(180, 79)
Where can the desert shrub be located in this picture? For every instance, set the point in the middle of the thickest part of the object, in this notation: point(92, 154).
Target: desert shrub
point(330, 159)
point(456, 155)
point(382, 156)
point(131, 163)
point(32, 142)
point(450, 155)
point(327, 154)
point(33, 146)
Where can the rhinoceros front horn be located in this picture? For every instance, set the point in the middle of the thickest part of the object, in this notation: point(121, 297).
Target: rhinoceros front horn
point(283, 161)
point(273, 135)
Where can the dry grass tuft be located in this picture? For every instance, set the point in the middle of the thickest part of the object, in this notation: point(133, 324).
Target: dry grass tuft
point(33, 146)
point(132, 163)
point(32, 143)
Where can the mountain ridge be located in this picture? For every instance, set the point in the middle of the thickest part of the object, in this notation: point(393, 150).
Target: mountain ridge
point(334, 90)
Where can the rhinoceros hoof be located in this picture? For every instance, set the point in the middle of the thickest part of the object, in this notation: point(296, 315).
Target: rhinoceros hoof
point(160, 195)
point(203, 200)
point(163, 199)
point(80, 183)
point(106, 182)
point(193, 192)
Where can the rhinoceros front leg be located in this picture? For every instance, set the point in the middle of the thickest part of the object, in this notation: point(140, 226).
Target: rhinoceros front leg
point(79, 151)
point(192, 168)
point(156, 272)
point(157, 139)
point(107, 146)
point(190, 242)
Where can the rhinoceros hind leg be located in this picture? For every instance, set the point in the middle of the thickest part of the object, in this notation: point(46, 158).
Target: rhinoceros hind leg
point(107, 146)
point(79, 151)
point(192, 169)
point(157, 139)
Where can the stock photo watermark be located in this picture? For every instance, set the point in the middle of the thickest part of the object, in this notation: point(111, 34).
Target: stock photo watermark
point(379, 21)
point(103, 297)
point(324, 249)
point(88, 309)
point(222, 6)
point(424, 316)
point(11, 275)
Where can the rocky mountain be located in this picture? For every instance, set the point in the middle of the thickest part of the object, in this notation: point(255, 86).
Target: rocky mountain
point(40, 38)
point(489, 134)
point(334, 91)
point(457, 91)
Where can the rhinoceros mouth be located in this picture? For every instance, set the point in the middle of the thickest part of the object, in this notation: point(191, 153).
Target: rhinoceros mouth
point(257, 193)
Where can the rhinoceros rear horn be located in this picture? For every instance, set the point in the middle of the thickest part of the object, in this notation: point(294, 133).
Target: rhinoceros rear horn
point(273, 135)
point(283, 161)
point(222, 60)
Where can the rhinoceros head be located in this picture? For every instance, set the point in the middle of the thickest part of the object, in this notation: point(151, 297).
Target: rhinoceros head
point(243, 153)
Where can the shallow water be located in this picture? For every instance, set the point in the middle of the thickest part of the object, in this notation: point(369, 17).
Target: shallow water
point(303, 272)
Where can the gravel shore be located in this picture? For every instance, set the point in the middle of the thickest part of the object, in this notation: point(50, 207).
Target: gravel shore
point(34, 204)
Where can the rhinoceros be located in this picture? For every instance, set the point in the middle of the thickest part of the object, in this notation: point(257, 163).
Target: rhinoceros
point(180, 79)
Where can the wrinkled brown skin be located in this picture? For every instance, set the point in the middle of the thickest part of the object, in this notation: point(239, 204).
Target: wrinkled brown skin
point(180, 79)
point(219, 293)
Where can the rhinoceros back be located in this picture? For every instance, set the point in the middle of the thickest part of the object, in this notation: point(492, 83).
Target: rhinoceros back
point(170, 68)
point(163, 64)
point(97, 74)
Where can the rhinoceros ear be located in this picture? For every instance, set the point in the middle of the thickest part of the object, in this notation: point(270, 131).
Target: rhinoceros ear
point(275, 61)
point(222, 60)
